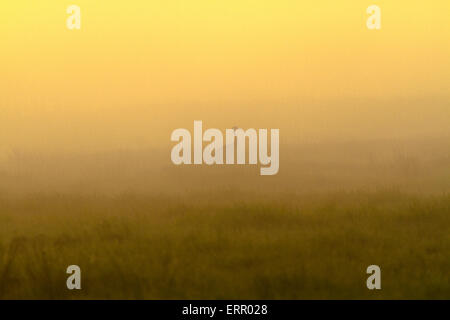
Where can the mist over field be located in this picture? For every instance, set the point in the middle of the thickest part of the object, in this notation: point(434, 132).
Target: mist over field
point(86, 176)
point(415, 166)
point(143, 228)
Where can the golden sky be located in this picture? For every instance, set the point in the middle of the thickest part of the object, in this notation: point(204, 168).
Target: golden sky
point(139, 69)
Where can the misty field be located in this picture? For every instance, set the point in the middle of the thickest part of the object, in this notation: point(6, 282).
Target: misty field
point(224, 246)
point(140, 227)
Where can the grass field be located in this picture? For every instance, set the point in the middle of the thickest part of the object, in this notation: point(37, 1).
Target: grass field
point(142, 228)
point(206, 246)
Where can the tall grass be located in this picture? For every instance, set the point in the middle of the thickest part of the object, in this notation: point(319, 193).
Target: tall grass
point(225, 245)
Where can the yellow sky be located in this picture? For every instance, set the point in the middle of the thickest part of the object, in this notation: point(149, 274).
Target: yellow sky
point(138, 69)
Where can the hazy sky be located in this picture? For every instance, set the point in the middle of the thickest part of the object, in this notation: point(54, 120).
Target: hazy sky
point(139, 69)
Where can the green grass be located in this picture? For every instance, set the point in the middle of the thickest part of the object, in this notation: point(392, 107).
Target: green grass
point(207, 246)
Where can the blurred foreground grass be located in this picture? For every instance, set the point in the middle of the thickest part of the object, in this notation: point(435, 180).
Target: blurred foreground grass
point(223, 245)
